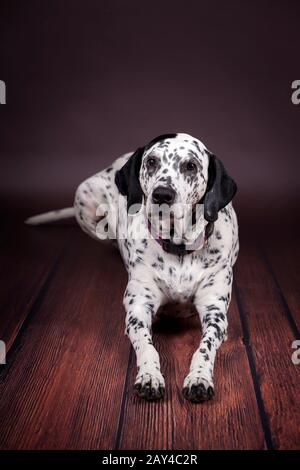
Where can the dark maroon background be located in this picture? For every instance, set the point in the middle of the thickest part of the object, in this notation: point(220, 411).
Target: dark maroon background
point(89, 80)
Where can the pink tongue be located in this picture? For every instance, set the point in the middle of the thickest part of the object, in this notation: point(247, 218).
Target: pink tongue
point(198, 243)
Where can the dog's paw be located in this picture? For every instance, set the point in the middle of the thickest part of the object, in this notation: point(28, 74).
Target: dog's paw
point(150, 386)
point(197, 389)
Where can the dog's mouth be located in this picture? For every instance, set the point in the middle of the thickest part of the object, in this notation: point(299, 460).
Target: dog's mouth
point(169, 239)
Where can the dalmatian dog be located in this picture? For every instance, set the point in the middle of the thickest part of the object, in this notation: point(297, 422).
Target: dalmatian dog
point(174, 171)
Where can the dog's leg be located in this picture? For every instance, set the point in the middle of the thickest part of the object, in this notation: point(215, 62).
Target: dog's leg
point(211, 301)
point(141, 302)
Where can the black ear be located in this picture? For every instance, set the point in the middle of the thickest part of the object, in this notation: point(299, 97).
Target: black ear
point(127, 179)
point(221, 188)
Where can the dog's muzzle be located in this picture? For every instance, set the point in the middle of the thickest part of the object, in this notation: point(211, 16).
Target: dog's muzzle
point(182, 249)
point(163, 195)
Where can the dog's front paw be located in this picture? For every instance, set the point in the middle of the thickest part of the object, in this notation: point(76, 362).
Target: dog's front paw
point(150, 385)
point(197, 389)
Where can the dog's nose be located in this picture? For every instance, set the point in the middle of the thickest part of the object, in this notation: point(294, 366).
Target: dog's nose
point(163, 195)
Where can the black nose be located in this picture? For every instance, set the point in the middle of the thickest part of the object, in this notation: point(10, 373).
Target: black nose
point(163, 195)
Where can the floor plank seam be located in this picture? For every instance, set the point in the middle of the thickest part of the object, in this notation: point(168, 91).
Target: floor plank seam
point(254, 375)
point(286, 308)
point(11, 353)
point(123, 401)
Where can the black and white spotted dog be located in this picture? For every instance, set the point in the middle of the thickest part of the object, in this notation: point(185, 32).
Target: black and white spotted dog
point(174, 170)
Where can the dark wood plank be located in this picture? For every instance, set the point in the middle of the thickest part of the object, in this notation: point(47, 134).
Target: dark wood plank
point(27, 257)
point(284, 264)
point(271, 337)
point(230, 421)
point(63, 385)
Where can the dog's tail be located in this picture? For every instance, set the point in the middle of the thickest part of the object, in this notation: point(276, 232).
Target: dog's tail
point(51, 216)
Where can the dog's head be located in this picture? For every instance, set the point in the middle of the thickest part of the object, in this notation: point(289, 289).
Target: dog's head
point(176, 171)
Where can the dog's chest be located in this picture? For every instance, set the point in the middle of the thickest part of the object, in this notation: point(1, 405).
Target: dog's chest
point(179, 278)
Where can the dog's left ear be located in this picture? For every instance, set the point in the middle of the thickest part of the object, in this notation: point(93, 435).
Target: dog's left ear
point(127, 179)
point(221, 188)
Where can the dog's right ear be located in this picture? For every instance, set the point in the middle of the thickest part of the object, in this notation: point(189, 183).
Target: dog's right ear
point(127, 179)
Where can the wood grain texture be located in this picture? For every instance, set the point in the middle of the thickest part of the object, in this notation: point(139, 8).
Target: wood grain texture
point(27, 258)
point(230, 421)
point(284, 265)
point(63, 386)
point(271, 338)
point(69, 379)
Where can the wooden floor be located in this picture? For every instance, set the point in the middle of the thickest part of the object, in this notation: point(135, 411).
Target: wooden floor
point(68, 381)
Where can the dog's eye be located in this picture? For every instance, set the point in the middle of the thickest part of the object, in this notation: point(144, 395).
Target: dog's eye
point(151, 162)
point(190, 167)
